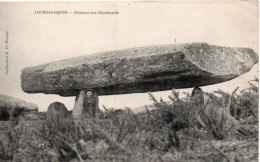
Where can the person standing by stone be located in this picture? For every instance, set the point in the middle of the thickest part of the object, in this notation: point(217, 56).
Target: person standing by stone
point(90, 104)
point(86, 105)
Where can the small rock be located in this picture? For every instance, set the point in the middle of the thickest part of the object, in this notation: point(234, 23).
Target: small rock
point(57, 111)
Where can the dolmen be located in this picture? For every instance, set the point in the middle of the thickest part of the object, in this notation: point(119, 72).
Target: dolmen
point(137, 70)
point(11, 107)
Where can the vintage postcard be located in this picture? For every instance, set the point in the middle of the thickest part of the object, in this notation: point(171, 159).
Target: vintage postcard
point(129, 81)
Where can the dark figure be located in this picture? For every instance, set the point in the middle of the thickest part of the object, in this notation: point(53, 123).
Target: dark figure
point(90, 103)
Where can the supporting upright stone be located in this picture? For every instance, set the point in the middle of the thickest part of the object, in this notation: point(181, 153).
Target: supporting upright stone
point(197, 96)
point(77, 110)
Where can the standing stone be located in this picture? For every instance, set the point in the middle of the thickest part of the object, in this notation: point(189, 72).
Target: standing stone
point(197, 96)
point(77, 110)
point(57, 111)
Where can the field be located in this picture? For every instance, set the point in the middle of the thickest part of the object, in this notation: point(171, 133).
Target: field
point(225, 129)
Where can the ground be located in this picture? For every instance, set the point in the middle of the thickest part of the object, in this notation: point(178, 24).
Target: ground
point(226, 129)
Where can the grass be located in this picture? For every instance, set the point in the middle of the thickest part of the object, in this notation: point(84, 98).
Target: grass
point(225, 129)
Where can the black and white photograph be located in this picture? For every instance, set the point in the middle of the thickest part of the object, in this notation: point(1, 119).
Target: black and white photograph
point(129, 81)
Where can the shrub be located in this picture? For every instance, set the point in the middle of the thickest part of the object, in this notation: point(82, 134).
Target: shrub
point(181, 129)
point(89, 136)
point(219, 122)
point(9, 143)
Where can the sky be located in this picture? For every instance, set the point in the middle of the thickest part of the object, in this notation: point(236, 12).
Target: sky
point(36, 39)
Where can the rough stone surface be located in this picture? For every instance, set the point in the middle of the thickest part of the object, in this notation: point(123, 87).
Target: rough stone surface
point(77, 110)
point(143, 69)
point(57, 111)
point(197, 96)
point(10, 106)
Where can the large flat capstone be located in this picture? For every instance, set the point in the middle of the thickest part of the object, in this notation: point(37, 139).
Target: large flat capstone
point(143, 69)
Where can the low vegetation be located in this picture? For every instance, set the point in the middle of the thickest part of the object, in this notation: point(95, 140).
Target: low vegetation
point(224, 129)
